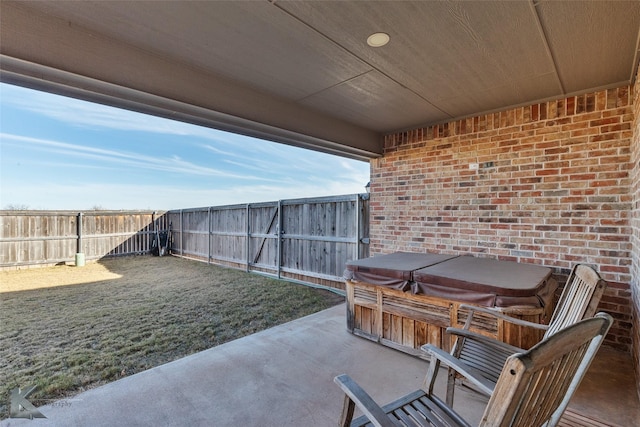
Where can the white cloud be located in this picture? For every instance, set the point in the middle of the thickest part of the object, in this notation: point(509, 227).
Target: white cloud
point(344, 177)
point(196, 166)
point(219, 151)
point(122, 158)
point(84, 195)
point(78, 113)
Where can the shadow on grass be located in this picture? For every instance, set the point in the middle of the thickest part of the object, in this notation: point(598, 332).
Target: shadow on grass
point(150, 311)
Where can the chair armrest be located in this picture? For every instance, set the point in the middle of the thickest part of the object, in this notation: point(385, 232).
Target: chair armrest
point(484, 340)
point(474, 376)
point(472, 309)
point(362, 399)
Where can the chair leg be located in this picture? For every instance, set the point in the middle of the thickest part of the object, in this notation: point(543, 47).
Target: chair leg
point(451, 386)
point(348, 409)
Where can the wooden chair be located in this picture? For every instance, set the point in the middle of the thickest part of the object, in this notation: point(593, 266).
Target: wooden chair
point(480, 359)
point(533, 389)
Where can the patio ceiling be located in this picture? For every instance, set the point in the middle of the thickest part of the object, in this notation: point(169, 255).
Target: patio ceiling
point(301, 72)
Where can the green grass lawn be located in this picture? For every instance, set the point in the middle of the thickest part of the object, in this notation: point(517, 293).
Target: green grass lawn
point(141, 312)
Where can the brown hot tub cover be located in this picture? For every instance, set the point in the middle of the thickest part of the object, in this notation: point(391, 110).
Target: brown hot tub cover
point(487, 282)
point(391, 270)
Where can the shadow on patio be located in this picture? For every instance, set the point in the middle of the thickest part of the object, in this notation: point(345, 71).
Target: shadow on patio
point(284, 377)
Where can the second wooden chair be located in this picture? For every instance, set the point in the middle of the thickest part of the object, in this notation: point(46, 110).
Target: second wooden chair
point(480, 359)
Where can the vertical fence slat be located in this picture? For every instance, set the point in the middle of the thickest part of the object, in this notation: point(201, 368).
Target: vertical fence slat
point(279, 240)
point(248, 236)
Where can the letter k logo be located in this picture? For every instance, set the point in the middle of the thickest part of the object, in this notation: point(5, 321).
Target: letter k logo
point(21, 407)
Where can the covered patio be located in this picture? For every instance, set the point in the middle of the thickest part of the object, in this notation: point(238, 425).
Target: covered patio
point(284, 377)
point(507, 130)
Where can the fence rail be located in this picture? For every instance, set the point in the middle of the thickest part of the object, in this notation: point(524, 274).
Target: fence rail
point(308, 240)
point(30, 238)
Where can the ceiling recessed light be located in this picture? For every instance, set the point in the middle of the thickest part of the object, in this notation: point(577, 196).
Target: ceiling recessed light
point(378, 39)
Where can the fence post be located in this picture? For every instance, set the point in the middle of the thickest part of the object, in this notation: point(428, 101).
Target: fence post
point(181, 234)
point(155, 227)
point(279, 244)
point(248, 235)
point(356, 254)
point(79, 254)
point(209, 236)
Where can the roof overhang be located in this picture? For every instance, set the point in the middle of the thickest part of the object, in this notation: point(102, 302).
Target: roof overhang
point(301, 73)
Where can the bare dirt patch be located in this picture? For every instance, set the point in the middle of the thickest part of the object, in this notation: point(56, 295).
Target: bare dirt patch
point(62, 275)
point(68, 329)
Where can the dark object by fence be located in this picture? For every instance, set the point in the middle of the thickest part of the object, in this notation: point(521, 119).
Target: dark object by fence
point(161, 242)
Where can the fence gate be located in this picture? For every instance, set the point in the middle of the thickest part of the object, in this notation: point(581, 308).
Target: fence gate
point(263, 244)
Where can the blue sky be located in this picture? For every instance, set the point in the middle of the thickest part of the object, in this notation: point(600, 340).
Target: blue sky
point(62, 153)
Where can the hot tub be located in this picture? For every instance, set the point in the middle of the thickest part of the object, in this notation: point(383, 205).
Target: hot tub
point(393, 300)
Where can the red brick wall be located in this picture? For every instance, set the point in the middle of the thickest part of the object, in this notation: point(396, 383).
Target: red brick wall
point(552, 188)
point(635, 226)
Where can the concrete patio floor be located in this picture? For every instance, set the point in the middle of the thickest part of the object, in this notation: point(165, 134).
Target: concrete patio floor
point(284, 377)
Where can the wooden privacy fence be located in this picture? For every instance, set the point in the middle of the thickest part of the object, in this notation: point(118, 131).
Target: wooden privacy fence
point(52, 237)
point(307, 240)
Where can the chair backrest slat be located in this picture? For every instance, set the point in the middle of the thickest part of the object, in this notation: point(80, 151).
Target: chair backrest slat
point(535, 386)
point(579, 299)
